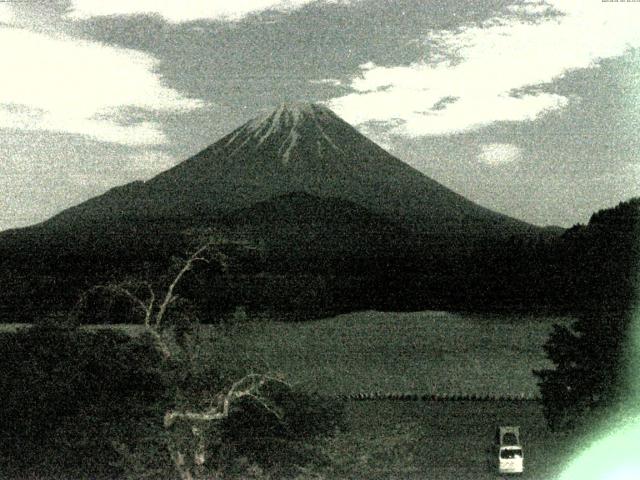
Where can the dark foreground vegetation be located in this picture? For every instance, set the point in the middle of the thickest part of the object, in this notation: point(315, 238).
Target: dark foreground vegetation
point(90, 404)
point(81, 404)
point(68, 396)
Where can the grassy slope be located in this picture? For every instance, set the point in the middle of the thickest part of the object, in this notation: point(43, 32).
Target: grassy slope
point(422, 352)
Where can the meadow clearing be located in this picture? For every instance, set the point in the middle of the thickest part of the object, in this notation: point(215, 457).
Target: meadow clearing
point(429, 352)
point(422, 352)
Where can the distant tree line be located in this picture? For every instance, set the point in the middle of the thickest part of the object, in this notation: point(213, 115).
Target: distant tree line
point(284, 277)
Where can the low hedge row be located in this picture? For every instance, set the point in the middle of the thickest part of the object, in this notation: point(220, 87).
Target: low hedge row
point(430, 397)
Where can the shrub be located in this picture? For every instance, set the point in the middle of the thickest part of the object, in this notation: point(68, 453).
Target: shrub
point(280, 447)
point(68, 394)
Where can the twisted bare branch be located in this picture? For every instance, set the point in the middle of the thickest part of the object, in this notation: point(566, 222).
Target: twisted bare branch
point(146, 308)
point(248, 386)
point(152, 317)
point(170, 297)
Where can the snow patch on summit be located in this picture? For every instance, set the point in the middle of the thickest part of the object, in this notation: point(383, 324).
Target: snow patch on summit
point(290, 127)
point(292, 140)
point(286, 117)
point(287, 120)
point(325, 136)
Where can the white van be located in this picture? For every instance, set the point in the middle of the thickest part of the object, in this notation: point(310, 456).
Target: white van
point(510, 459)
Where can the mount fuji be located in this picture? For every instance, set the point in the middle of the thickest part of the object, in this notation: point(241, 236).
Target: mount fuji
point(303, 148)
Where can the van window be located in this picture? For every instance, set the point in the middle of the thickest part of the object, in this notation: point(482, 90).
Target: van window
point(511, 453)
point(509, 439)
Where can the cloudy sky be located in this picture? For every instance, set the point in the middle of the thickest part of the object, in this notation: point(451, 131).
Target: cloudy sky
point(528, 107)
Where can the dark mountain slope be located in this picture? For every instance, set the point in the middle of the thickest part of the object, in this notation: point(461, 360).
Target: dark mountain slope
point(297, 148)
point(303, 228)
point(299, 208)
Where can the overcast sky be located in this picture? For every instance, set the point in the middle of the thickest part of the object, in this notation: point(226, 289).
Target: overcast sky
point(530, 108)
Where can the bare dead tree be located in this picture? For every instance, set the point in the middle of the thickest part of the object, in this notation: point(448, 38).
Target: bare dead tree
point(249, 386)
point(153, 314)
point(191, 465)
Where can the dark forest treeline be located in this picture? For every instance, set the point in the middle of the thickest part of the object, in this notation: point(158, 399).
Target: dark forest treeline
point(594, 359)
point(307, 271)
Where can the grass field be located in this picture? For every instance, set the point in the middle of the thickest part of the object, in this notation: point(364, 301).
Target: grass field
point(420, 352)
point(441, 441)
point(423, 352)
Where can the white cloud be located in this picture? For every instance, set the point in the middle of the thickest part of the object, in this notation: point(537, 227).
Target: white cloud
point(530, 8)
point(6, 13)
point(499, 153)
point(80, 87)
point(182, 10)
point(492, 61)
point(141, 133)
point(327, 81)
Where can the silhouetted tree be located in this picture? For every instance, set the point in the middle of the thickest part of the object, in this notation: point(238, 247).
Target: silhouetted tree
point(591, 356)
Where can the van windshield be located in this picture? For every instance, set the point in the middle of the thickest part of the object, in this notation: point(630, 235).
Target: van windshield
point(509, 439)
point(511, 453)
